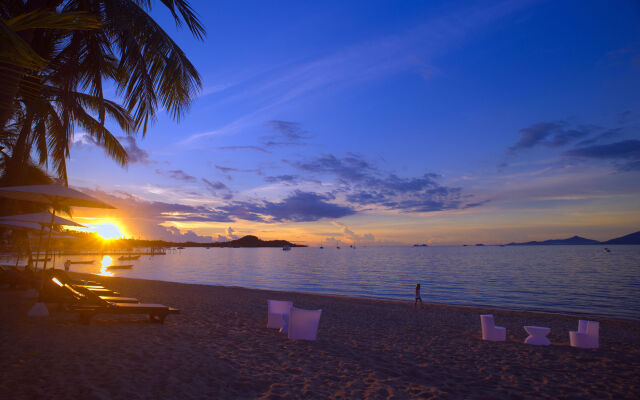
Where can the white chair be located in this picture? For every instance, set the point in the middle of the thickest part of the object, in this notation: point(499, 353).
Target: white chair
point(303, 324)
point(277, 310)
point(490, 331)
point(586, 336)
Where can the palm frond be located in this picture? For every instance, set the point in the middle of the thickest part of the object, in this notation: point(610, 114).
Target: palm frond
point(44, 18)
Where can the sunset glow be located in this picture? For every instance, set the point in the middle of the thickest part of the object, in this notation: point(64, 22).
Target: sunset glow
point(388, 136)
point(108, 231)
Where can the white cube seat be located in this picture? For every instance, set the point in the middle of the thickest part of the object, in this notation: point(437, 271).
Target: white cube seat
point(303, 324)
point(587, 335)
point(277, 309)
point(490, 331)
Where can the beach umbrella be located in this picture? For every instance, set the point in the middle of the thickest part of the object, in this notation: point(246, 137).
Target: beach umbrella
point(22, 226)
point(54, 196)
point(44, 219)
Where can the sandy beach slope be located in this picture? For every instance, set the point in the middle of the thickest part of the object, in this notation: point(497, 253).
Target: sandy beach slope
point(219, 347)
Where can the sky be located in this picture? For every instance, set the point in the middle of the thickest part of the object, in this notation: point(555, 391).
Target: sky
point(389, 123)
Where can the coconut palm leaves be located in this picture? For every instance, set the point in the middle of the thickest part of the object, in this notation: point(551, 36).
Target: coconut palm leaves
point(17, 52)
point(58, 61)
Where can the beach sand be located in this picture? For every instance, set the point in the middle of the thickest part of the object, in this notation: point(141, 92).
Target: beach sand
point(219, 347)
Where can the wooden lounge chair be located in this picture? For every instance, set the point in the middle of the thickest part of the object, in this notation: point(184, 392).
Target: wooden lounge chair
point(111, 299)
point(88, 305)
point(95, 287)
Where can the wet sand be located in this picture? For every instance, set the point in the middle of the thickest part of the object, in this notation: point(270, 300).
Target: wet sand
point(219, 347)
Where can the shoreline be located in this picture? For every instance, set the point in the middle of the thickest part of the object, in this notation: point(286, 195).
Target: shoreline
point(566, 314)
point(219, 347)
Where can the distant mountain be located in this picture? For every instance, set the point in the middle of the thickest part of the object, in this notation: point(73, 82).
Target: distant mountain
point(253, 241)
point(632, 238)
point(576, 240)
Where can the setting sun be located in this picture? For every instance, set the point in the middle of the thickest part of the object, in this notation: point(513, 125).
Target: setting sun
point(108, 231)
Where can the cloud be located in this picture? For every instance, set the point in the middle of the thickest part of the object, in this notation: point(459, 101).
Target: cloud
point(290, 179)
point(135, 153)
point(625, 152)
point(625, 115)
point(173, 234)
point(348, 234)
point(158, 211)
point(297, 207)
point(286, 134)
point(152, 219)
point(227, 170)
point(550, 134)
point(177, 174)
point(362, 183)
point(348, 169)
point(83, 140)
point(257, 148)
point(218, 188)
point(230, 233)
point(603, 136)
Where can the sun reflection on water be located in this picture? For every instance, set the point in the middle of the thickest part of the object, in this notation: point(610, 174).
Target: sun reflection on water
point(106, 262)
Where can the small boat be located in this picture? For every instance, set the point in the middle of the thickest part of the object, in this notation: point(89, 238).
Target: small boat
point(180, 248)
point(286, 248)
point(606, 250)
point(82, 262)
point(338, 247)
point(128, 258)
point(123, 266)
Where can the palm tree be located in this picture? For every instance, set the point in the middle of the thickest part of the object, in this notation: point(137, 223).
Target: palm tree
point(66, 90)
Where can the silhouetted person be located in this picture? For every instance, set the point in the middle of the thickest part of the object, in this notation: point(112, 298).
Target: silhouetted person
point(418, 298)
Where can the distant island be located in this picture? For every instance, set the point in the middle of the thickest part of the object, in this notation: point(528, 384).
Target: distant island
point(632, 238)
point(245, 241)
point(420, 245)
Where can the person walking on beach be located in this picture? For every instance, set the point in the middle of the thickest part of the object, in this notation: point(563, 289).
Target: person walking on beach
point(415, 303)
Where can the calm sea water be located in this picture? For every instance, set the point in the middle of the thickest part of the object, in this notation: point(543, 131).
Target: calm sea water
point(567, 279)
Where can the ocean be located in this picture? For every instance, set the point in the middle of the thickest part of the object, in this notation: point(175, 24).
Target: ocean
point(580, 280)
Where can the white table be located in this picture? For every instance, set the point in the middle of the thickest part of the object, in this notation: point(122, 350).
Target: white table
point(537, 335)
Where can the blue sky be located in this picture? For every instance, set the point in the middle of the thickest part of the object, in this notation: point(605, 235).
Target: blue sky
point(385, 123)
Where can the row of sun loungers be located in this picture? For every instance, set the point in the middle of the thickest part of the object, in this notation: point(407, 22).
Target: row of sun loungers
point(88, 300)
point(84, 298)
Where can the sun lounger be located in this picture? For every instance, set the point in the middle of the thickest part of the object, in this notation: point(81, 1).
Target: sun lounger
point(87, 305)
point(156, 312)
point(94, 287)
point(111, 299)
